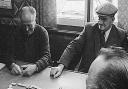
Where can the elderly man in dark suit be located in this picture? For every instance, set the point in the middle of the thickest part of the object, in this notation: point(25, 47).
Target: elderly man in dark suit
point(85, 48)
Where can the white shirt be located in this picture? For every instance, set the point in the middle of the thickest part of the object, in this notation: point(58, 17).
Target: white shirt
point(107, 34)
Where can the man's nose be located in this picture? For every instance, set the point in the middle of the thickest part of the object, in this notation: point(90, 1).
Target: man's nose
point(100, 21)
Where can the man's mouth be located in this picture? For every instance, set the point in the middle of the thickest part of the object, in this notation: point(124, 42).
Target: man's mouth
point(101, 26)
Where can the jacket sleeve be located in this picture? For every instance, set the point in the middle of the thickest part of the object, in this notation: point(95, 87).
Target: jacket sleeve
point(5, 57)
point(72, 54)
point(9, 44)
point(44, 61)
point(125, 41)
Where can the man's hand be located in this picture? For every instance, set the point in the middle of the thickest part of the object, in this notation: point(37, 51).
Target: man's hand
point(15, 69)
point(56, 71)
point(29, 69)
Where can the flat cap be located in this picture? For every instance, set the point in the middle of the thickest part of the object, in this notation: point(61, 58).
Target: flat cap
point(106, 9)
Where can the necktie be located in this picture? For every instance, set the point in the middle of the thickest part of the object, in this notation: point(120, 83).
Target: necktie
point(102, 38)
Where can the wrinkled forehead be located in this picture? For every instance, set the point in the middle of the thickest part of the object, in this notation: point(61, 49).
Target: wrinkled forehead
point(28, 18)
point(28, 13)
point(28, 9)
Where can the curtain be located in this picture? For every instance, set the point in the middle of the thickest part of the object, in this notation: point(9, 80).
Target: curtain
point(16, 7)
point(123, 14)
point(46, 12)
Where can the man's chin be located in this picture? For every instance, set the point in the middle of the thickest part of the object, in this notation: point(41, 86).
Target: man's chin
point(101, 28)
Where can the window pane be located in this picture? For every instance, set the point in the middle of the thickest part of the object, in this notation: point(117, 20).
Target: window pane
point(74, 9)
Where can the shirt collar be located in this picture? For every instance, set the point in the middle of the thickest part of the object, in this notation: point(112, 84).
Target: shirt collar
point(107, 33)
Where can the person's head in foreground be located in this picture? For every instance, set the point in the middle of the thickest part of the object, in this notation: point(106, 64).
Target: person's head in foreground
point(106, 13)
point(28, 17)
point(109, 70)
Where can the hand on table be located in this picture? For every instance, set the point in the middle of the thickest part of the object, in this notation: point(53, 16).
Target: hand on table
point(56, 71)
point(15, 69)
point(29, 69)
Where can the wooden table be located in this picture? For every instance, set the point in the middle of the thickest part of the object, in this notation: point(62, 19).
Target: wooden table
point(68, 80)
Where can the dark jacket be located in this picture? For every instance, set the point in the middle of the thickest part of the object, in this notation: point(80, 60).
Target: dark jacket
point(32, 48)
point(86, 46)
point(5, 40)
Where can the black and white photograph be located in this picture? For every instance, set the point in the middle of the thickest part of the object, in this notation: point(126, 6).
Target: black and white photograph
point(63, 44)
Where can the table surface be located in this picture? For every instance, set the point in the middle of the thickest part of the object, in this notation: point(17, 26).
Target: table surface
point(68, 80)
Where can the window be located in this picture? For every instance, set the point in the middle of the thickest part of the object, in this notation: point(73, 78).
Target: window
point(77, 12)
point(71, 12)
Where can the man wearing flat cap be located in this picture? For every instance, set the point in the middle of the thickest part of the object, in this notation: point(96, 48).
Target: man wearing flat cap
point(85, 48)
point(30, 45)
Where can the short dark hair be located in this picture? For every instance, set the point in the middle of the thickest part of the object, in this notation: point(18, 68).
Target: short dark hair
point(115, 75)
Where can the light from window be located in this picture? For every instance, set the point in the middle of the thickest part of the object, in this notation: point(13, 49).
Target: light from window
point(70, 12)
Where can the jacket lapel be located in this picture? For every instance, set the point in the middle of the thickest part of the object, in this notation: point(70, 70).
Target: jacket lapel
point(96, 39)
point(113, 38)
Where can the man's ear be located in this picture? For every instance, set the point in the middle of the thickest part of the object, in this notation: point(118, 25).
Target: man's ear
point(113, 18)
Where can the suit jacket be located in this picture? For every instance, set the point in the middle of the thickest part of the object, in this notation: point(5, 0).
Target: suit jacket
point(85, 48)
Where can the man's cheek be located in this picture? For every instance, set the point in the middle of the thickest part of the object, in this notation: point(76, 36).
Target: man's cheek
point(102, 27)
